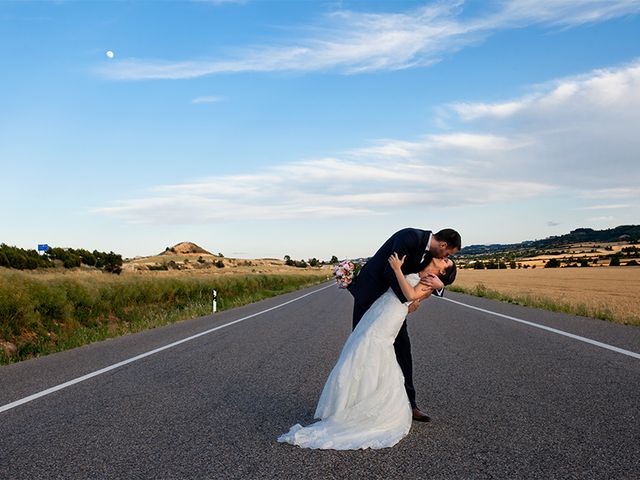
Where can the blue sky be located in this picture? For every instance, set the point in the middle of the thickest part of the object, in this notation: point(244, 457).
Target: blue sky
point(310, 128)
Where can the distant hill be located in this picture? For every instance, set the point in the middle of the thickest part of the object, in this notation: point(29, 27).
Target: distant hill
point(622, 233)
point(185, 248)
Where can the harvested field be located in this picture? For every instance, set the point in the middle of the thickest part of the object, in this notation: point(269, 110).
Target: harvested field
point(609, 293)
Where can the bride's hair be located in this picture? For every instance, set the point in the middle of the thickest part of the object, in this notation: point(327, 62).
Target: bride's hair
point(449, 275)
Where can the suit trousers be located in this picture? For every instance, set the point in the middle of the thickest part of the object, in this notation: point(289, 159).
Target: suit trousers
point(402, 347)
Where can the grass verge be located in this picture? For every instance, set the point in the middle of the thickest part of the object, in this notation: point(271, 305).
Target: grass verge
point(45, 314)
point(546, 303)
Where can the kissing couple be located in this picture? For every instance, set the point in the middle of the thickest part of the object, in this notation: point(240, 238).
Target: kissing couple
point(369, 400)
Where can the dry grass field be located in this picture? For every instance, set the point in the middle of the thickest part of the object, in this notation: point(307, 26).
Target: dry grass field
point(610, 293)
point(189, 265)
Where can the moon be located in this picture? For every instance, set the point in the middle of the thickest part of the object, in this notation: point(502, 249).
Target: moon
point(109, 54)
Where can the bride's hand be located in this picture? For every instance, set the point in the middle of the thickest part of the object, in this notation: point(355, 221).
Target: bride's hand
point(396, 262)
point(432, 281)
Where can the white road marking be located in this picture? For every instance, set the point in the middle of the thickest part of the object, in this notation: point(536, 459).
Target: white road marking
point(51, 390)
point(559, 332)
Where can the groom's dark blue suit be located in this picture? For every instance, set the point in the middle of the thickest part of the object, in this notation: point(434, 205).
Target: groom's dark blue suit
point(376, 277)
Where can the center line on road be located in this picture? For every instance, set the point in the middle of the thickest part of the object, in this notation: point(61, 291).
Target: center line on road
point(549, 329)
point(48, 391)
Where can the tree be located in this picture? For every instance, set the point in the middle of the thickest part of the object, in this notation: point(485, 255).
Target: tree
point(333, 260)
point(615, 262)
point(113, 263)
point(219, 264)
point(552, 263)
point(313, 262)
point(4, 260)
point(86, 257)
point(71, 261)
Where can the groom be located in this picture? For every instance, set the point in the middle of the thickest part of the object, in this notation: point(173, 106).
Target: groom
point(376, 276)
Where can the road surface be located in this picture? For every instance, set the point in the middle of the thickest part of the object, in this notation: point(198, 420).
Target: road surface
point(507, 399)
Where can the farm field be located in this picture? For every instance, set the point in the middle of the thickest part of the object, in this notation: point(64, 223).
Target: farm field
point(609, 293)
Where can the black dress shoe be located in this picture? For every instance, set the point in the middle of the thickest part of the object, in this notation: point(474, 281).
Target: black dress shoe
point(420, 416)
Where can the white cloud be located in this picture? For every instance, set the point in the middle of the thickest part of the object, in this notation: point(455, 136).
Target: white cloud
point(327, 187)
point(581, 143)
point(608, 90)
point(613, 193)
point(207, 99)
point(605, 207)
point(561, 12)
point(580, 131)
point(354, 42)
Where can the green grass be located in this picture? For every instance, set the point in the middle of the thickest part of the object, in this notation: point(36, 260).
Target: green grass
point(44, 314)
point(582, 309)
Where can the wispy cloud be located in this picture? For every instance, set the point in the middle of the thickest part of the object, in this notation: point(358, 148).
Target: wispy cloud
point(614, 193)
point(326, 187)
point(354, 42)
point(581, 142)
point(207, 99)
point(605, 207)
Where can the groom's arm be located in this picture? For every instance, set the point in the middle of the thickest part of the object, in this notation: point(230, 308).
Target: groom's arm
point(403, 245)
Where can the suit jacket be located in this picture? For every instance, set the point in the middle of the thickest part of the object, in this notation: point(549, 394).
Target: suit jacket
point(377, 276)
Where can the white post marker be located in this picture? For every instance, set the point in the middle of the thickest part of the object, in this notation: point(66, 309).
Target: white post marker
point(215, 303)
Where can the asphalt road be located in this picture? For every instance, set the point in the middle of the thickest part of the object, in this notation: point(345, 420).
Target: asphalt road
point(508, 400)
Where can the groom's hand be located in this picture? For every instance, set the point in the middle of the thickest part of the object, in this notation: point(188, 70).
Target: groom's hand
point(413, 306)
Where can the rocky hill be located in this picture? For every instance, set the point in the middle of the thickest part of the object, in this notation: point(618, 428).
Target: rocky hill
point(185, 248)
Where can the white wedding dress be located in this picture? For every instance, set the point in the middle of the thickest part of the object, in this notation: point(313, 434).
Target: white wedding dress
point(364, 403)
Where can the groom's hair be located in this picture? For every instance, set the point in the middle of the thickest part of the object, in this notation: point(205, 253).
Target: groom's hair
point(450, 236)
point(449, 275)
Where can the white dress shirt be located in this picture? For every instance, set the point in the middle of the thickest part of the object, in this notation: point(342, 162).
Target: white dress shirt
point(425, 254)
point(426, 250)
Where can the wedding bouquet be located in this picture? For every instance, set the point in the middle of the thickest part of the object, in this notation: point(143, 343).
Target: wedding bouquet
point(345, 273)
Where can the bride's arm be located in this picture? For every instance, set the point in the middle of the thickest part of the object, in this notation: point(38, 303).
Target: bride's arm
point(411, 293)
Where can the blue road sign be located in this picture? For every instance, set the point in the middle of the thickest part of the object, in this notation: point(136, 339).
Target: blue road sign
point(43, 247)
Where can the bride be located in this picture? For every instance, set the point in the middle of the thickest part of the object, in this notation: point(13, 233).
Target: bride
point(364, 403)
